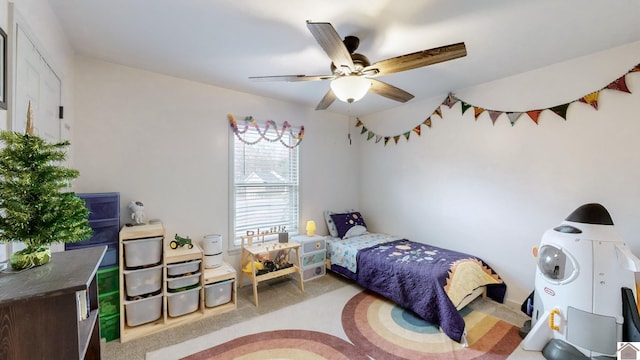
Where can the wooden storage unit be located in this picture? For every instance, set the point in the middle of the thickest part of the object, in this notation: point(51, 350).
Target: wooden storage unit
point(40, 312)
point(221, 273)
point(131, 233)
point(171, 257)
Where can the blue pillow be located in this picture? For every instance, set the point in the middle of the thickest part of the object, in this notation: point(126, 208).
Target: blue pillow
point(349, 224)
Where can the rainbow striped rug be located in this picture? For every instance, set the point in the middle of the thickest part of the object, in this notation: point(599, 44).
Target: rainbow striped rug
point(349, 324)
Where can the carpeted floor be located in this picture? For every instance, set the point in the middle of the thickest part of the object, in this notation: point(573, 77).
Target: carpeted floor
point(318, 312)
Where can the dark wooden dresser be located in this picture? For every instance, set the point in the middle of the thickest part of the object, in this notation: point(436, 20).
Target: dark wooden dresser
point(51, 311)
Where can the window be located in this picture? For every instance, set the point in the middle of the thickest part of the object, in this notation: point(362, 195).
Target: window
point(265, 184)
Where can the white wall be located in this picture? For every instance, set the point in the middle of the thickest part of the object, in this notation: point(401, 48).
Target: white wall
point(492, 190)
point(165, 141)
point(43, 27)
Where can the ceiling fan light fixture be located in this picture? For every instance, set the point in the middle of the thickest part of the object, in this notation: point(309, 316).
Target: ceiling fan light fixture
point(350, 88)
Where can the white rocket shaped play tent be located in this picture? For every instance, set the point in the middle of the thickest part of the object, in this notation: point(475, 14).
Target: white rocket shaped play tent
point(583, 270)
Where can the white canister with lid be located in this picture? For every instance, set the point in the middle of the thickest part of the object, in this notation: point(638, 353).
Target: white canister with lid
point(212, 244)
point(212, 248)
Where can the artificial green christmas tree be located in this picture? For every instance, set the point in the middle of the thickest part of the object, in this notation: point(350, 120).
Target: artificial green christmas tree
point(36, 207)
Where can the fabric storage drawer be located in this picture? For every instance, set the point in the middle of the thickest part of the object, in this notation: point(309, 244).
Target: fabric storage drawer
point(141, 252)
point(218, 293)
point(313, 258)
point(182, 268)
point(183, 302)
point(142, 311)
point(313, 272)
point(143, 281)
point(183, 281)
point(108, 280)
point(102, 205)
point(109, 303)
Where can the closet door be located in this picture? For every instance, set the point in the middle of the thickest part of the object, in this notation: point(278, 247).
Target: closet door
point(37, 83)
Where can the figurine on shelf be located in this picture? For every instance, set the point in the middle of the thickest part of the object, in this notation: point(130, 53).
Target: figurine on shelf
point(137, 212)
point(181, 241)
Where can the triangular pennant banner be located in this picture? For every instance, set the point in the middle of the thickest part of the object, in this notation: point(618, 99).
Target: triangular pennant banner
point(450, 100)
point(494, 115)
point(620, 84)
point(465, 107)
point(591, 99)
point(534, 114)
point(513, 117)
point(477, 111)
point(561, 110)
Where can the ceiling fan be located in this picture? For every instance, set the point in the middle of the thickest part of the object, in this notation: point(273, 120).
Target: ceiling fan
point(352, 73)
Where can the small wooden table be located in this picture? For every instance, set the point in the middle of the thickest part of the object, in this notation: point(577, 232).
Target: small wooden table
point(251, 253)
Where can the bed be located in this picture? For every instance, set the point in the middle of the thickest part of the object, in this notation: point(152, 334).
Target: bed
point(432, 282)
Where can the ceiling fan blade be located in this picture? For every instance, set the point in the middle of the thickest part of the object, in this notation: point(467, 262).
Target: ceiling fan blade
point(417, 59)
point(292, 78)
point(327, 100)
point(332, 44)
point(389, 91)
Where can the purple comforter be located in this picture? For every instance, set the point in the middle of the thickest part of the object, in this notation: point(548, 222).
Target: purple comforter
point(414, 276)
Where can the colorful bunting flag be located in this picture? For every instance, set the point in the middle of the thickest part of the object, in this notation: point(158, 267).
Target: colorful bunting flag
point(494, 115)
point(591, 99)
point(465, 107)
point(513, 117)
point(620, 84)
point(561, 110)
point(534, 114)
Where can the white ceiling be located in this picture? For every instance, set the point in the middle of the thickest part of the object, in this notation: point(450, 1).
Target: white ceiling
point(223, 42)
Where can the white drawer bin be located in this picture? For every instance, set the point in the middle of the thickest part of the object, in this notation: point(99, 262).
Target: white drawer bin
point(142, 252)
point(183, 281)
point(143, 281)
point(182, 268)
point(218, 293)
point(183, 302)
point(138, 312)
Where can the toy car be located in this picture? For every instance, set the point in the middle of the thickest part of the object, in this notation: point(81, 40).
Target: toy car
point(180, 241)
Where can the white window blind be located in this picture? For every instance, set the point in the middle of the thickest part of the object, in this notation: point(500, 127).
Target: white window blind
point(265, 180)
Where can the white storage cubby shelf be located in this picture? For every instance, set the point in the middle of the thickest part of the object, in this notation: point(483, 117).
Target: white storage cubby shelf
point(183, 286)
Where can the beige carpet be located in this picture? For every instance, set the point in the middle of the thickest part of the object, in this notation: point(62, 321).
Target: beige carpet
point(317, 325)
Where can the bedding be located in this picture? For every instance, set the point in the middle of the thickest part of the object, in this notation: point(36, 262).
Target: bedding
point(428, 280)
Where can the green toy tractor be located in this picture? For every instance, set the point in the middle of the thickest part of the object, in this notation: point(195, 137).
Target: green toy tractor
point(180, 241)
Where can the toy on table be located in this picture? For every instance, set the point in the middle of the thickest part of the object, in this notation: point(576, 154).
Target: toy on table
point(181, 241)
